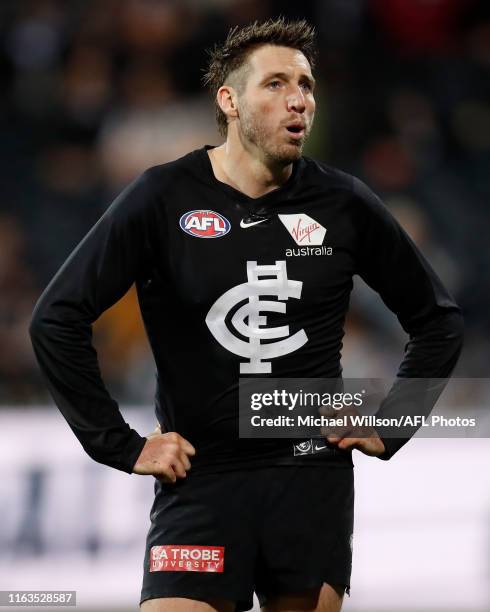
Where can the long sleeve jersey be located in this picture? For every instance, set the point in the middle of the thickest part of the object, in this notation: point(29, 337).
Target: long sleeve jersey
point(232, 286)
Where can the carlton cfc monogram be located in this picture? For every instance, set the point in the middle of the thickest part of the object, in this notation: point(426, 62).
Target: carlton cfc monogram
point(276, 283)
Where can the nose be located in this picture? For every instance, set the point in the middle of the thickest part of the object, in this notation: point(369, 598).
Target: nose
point(296, 101)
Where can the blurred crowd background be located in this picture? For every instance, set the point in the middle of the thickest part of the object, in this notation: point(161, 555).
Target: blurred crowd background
point(96, 91)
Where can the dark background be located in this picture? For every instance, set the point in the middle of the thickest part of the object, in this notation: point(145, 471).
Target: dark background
point(94, 92)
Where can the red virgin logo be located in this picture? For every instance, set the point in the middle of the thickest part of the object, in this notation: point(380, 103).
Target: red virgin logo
point(300, 233)
point(303, 228)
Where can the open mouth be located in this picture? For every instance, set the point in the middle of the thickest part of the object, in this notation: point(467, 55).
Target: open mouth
point(296, 131)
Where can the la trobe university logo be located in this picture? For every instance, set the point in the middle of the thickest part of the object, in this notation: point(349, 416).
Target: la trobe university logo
point(264, 343)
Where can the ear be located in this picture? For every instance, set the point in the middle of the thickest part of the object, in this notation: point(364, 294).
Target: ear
point(226, 97)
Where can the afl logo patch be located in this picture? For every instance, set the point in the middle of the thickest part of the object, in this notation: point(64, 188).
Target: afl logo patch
point(204, 224)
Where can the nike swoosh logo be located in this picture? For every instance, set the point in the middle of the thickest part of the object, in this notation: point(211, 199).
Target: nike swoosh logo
point(244, 225)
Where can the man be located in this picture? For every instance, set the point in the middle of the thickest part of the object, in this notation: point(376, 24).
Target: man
point(208, 239)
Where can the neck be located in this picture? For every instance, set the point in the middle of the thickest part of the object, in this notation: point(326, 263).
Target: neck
point(250, 174)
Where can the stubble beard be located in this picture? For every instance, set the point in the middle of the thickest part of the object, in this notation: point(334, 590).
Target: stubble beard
point(254, 131)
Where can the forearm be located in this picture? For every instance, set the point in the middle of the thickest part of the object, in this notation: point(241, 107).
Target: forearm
point(431, 356)
point(94, 277)
point(69, 363)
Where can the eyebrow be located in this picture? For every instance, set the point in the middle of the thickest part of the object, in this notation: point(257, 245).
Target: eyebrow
point(285, 77)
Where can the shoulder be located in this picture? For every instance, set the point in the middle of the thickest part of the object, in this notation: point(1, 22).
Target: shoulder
point(360, 194)
point(160, 176)
point(151, 190)
point(320, 173)
point(145, 191)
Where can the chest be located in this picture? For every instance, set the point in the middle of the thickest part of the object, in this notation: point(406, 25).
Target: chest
point(224, 247)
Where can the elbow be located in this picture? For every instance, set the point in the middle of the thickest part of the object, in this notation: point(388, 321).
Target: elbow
point(38, 326)
point(453, 338)
point(455, 329)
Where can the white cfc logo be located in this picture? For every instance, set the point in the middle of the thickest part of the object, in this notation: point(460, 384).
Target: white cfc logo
point(275, 283)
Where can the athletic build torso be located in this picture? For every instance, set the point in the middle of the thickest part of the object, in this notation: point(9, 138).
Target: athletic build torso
point(231, 286)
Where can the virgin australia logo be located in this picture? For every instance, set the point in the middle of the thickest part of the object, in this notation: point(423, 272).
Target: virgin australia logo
point(304, 229)
point(307, 233)
point(265, 280)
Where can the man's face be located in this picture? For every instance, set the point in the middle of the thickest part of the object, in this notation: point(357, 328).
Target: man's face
point(277, 106)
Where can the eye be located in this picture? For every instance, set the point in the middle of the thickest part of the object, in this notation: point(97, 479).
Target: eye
point(306, 86)
point(274, 84)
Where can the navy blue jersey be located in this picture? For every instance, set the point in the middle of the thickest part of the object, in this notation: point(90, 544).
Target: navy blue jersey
point(233, 286)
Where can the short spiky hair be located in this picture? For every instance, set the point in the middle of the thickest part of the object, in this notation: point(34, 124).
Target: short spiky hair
point(228, 57)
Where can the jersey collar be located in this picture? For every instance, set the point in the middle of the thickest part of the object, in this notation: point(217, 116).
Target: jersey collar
point(261, 204)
